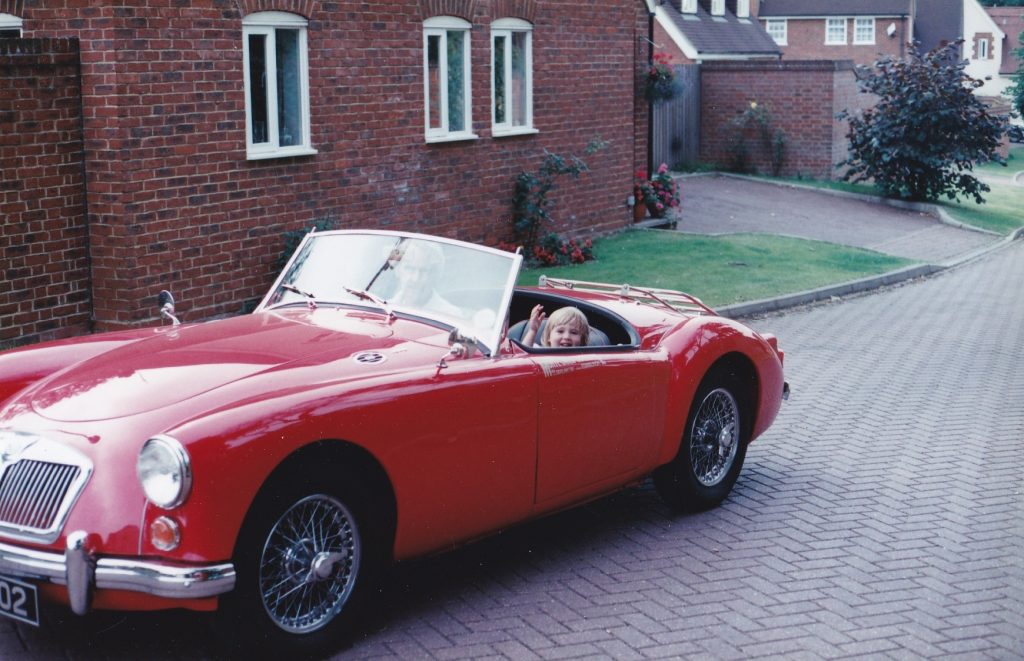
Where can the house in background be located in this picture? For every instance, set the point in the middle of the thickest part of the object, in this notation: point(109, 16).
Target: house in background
point(864, 30)
point(692, 31)
point(174, 145)
point(940, 22)
point(1010, 21)
point(857, 30)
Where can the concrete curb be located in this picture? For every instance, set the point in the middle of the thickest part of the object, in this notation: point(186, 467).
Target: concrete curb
point(763, 306)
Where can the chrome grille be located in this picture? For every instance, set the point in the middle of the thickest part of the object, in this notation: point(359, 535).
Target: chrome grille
point(32, 492)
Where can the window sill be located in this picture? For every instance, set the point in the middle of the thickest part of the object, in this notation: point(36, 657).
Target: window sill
point(521, 130)
point(280, 153)
point(452, 137)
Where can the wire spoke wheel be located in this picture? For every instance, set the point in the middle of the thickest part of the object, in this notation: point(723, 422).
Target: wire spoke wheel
point(714, 437)
point(309, 564)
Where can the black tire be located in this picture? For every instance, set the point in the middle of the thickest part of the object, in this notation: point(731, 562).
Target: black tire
point(713, 446)
point(306, 561)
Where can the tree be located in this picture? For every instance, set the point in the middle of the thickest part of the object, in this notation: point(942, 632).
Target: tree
point(922, 138)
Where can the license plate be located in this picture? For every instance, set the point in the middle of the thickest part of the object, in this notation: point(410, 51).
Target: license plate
point(19, 601)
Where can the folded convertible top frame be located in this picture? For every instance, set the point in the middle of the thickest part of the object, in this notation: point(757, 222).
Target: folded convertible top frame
point(671, 299)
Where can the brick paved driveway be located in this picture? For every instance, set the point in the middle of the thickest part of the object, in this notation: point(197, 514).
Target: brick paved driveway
point(882, 516)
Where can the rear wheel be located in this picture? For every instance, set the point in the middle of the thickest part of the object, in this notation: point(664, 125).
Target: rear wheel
point(712, 449)
point(305, 560)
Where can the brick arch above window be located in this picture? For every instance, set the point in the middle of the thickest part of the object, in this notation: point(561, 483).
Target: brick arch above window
point(12, 7)
point(461, 8)
point(304, 8)
point(524, 9)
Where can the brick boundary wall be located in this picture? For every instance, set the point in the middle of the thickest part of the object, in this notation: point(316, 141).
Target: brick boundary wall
point(44, 288)
point(802, 98)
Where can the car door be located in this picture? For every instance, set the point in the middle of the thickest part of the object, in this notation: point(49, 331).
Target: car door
point(599, 420)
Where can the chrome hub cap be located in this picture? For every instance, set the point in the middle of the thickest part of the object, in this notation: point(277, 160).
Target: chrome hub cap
point(714, 439)
point(309, 564)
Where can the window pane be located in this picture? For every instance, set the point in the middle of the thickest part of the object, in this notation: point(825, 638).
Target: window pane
point(289, 121)
point(520, 42)
point(258, 86)
point(499, 79)
point(456, 81)
point(434, 80)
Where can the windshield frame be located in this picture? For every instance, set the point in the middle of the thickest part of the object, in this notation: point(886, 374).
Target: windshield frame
point(488, 339)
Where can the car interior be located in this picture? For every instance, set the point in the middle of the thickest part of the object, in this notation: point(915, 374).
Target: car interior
point(608, 331)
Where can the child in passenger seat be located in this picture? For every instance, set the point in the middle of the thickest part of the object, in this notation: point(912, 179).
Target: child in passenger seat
point(566, 327)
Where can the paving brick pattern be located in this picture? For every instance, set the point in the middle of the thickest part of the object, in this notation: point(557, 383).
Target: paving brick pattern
point(881, 517)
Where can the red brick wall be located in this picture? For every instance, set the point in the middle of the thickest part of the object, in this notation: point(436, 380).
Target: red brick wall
point(173, 202)
point(802, 99)
point(806, 41)
point(44, 278)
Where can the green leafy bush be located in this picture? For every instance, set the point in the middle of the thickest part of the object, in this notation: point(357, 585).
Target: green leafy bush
point(922, 138)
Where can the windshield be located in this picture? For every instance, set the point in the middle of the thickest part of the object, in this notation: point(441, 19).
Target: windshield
point(458, 284)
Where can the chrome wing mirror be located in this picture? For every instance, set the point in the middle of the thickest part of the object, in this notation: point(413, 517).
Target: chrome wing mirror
point(166, 303)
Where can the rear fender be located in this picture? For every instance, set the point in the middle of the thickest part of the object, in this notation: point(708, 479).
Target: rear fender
point(694, 348)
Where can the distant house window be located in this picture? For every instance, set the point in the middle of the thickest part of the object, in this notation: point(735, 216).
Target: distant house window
point(717, 7)
point(511, 76)
point(982, 49)
point(776, 28)
point(864, 30)
point(10, 26)
point(276, 85)
point(446, 79)
point(835, 30)
point(689, 6)
point(743, 8)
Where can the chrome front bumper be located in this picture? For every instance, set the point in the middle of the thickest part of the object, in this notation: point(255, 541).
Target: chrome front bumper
point(83, 573)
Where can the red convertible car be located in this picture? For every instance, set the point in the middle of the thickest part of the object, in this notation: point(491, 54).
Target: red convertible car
point(377, 405)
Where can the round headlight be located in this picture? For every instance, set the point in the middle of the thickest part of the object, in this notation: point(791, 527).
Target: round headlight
point(164, 471)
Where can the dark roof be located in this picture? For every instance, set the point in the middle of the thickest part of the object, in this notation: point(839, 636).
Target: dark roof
point(722, 35)
point(938, 22)
point(1011, 21)
point(809, 8)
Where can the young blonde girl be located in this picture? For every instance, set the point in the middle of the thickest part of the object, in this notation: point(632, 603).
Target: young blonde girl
point(566, 327)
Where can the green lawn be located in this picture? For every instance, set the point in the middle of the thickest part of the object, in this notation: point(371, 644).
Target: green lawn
point(721, 270)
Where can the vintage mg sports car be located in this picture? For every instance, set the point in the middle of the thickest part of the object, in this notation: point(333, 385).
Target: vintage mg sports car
point(378, 405)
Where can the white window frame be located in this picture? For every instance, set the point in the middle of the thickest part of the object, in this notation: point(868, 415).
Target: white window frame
point(689, 6)
point(718, 7)
point(742, 8)
point(267, 23)
point(10, 22)
point(831, 27)
point(983, 49)
point(772, 25)
point(440, 26)
point(864, 30)
point(505, 27)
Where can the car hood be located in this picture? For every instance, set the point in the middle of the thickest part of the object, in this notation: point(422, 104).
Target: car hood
point(177, 363)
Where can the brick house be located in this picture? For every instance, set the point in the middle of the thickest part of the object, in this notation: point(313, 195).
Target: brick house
point(857, 30)
point(209, 128)
point(1010, 21)
point(695, 31)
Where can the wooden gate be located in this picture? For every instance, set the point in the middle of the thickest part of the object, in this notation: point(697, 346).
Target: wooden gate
point(676, 123)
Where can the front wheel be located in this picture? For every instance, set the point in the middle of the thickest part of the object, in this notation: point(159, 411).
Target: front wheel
point(712, 449)
point(305, 558)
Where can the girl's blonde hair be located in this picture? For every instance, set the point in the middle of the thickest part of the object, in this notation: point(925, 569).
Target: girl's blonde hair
point(566, 316)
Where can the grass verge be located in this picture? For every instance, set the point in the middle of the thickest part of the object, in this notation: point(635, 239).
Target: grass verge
point(721, 270)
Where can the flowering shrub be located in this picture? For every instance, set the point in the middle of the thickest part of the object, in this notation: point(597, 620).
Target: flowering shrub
point(660, 193)
point(661, 79)
point(553, 250)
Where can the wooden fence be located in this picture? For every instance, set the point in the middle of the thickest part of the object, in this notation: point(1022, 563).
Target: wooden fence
point(676, 133)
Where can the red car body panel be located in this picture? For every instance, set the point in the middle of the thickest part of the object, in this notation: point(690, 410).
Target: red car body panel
point(469, 447)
